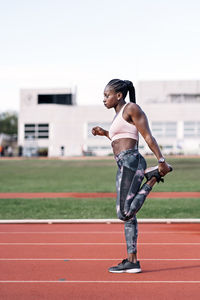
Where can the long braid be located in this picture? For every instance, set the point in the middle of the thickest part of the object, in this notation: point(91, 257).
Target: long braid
point(131, 90)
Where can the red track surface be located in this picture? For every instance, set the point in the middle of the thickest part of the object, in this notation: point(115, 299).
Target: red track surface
point(70, 261)
point(96, 195)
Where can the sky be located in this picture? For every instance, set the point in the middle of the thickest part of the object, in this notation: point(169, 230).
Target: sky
point(86, 43)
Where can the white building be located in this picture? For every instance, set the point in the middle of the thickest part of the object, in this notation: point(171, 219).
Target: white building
point(50, 120)
point(173, 109)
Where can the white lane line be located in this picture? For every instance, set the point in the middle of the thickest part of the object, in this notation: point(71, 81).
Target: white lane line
point(95, 244)
point(62, 232)
point(96, 259)
point(95, 232)
point(99, 281)
point(98, 221)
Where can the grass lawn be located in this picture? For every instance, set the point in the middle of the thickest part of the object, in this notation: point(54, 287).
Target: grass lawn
point(33, 175)
point(94, 208)
point(87, 176)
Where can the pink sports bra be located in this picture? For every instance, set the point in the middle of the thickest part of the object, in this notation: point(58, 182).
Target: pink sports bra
point(120, 128)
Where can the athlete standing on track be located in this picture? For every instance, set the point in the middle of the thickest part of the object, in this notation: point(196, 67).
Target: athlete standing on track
point(123, 133)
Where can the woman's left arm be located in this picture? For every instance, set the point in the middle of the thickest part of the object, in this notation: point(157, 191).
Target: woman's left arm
point(141, 122)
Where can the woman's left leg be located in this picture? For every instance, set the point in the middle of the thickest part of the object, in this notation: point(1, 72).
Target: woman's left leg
point(131, 235)
point(130, 264)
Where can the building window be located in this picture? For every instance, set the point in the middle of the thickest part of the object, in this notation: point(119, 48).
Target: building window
point(43, 131)
point(164, 129)
point(93, 148)
point(64, 99)
point(191, 129)
point(184, 98)
point(36, 131)
point(168, 147)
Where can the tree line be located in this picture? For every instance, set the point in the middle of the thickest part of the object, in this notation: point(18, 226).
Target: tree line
point(8, 123)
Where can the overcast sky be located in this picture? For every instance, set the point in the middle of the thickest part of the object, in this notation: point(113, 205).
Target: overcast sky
point(85, 43)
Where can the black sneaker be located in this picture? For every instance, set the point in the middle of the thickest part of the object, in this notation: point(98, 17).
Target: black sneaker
point(153, 172)
point(126, 267)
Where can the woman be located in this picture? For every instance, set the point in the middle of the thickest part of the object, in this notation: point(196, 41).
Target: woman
point(123, 133)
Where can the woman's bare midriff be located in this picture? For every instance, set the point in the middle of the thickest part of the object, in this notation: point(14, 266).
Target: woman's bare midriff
point(123, 144)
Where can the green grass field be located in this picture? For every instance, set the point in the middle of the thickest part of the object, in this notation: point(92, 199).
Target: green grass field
point(33, 175)
point(71, 208)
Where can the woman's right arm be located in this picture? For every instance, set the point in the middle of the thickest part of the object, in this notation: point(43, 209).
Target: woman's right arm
point(100, 131)
point(141, 122)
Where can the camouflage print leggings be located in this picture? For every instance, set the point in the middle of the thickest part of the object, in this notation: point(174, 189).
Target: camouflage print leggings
point(130, 197)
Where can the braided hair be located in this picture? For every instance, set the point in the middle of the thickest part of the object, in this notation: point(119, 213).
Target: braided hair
point(123, 86)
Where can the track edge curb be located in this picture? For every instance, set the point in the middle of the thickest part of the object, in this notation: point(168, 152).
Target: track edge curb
point(108, 221)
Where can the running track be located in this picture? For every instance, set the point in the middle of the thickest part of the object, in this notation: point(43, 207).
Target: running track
point(70, 261)
point(96, 195)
